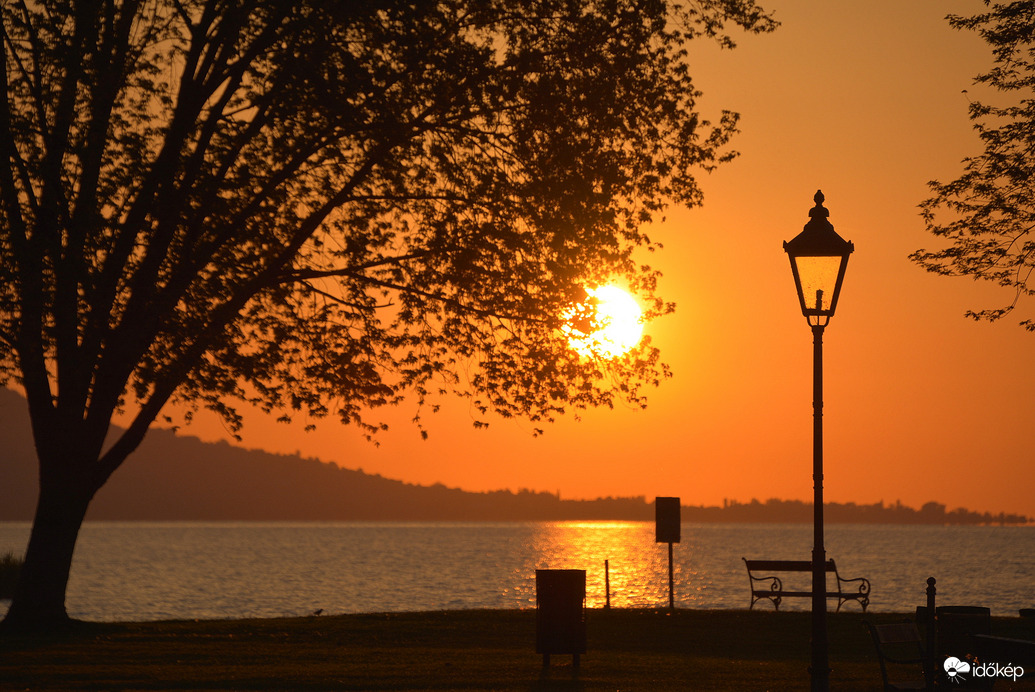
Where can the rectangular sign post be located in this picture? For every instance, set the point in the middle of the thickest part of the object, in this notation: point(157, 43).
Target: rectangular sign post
point(666, 530)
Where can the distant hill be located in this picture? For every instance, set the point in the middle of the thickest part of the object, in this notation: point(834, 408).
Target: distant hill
point(177, 477)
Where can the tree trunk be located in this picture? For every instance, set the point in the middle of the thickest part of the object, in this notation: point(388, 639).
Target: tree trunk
point(38, 604)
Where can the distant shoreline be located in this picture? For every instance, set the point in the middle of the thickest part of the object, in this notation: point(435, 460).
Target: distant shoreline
point(685, 522)
point(180, 478)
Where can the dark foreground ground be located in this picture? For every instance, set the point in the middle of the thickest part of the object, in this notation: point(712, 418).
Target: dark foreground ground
point(457, 650)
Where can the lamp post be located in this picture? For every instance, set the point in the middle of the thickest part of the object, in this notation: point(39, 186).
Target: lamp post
point(818, 259)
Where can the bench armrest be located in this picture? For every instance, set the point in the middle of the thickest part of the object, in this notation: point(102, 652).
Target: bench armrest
point(858, 590)
point(863, 588)
point(775, 583)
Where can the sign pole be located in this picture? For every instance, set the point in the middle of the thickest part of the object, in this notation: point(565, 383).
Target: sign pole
point(671, 581)
point(666, 530)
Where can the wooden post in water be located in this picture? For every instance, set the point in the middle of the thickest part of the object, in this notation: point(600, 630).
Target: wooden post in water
point(607, 584)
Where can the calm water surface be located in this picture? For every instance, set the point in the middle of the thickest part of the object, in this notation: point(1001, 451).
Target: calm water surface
point(157, 571)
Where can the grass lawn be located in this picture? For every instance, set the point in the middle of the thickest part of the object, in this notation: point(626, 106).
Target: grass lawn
point(455, 650)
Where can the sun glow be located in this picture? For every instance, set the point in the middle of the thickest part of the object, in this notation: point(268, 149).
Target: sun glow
point(615, 325)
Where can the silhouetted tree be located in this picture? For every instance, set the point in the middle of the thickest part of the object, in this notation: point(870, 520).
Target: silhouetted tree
point(318, 206)
point(988, 213)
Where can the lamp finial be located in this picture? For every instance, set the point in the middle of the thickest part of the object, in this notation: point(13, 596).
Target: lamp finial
point(819, 210)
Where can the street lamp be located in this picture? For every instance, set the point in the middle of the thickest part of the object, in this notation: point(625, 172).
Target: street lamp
point(818, 257)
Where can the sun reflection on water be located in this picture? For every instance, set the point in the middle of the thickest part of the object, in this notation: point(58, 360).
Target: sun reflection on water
point(637, 566)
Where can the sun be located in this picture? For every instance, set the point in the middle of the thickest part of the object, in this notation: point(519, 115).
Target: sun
point(615, 325)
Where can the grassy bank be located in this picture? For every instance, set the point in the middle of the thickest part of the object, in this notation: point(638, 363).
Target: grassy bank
point(457, 650)
point(10, 566)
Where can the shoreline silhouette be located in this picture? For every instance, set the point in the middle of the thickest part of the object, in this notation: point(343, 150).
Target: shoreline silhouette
point(181, 478)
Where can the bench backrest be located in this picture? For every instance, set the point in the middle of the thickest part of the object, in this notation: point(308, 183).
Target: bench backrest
point(785, 565)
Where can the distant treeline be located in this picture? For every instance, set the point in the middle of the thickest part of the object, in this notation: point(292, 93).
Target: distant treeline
point(792, 511)
point(174, 477)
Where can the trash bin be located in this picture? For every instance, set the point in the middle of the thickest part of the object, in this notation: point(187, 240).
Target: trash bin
point(560, 612)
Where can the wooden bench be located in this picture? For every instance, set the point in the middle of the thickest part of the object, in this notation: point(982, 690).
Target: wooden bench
point(857, 589)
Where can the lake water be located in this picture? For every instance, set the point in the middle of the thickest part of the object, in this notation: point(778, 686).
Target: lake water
point(186, 570)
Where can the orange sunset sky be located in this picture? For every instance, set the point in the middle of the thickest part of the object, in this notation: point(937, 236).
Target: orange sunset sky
point(864, 101)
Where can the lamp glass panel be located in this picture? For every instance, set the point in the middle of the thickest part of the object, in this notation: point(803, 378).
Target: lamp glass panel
point(818, 276)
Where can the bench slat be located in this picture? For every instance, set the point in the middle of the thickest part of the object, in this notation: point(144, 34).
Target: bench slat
point(785, 565)
point(802, 594)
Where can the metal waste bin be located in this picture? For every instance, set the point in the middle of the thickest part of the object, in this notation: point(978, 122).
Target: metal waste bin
point(560, 596)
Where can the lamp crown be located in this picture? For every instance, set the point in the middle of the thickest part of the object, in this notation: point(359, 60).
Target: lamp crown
point(819, 210)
